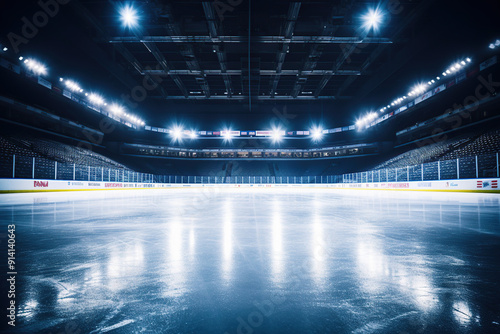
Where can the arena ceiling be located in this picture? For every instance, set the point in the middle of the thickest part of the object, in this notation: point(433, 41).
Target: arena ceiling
point(252, 51)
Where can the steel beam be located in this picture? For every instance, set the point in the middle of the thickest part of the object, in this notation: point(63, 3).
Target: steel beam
point(257, 39)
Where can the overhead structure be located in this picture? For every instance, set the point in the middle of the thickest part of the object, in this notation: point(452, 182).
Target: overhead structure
point(303, 51)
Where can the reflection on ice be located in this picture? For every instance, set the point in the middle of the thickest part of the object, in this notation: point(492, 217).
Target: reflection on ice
point(277, 259)
point(463, 314)
point(227, 242)
point(125, 258)
point(198, 270)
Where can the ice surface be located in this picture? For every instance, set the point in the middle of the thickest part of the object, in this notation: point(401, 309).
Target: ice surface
point(255, 261)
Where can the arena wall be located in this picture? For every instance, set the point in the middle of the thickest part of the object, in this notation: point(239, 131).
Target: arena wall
point(30, 185)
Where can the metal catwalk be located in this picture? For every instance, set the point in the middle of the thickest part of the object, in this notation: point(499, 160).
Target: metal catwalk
point(255, 261)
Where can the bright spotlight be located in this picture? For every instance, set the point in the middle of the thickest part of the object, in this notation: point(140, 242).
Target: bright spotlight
point(492, 46)
point(129, 16)
point(21, 58)
point(73, 86)
point(96, 99)
point(36, 67)
point(176, 133)
point(277, 135)
point(468, 60)
point(5, 49)
point(372, 19)
point(316, 134)
point(116, 109)
point(227, 135)
point(418, 89)
point(192, 134)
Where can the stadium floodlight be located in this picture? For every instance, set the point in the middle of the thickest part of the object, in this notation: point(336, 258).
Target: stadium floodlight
point(277, 135)
point(5, 49)
point(492, 46)
point(468, 60)
point(73, 86)
point(176, 133)
point(96, 99)
point(116, 109)
point(316, 133)
point(372, 19)
point(497, 42)
point(193, 134)
point(21, 58)
point(463, 63)
point(35, 67)
point(129, 16)
point(227, 135)
point(420, 88)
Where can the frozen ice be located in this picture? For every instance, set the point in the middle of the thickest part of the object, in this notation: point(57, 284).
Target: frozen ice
point(263, 260)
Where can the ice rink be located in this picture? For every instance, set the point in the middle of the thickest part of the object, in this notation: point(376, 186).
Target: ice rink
point(255, 261)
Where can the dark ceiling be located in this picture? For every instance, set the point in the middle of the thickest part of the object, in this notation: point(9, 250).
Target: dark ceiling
point(235, 58)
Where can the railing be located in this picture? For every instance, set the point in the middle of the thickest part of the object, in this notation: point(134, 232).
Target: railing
point(479, 166)
point(14, 166)
point(482, 166)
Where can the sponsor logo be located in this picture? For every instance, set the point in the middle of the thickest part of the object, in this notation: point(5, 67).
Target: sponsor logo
point(94, 184)
point(453, 184)
point(43, 184)
point(399, 185)
point(424, 184)
point(113, 185)
point(77, 183)
point(487, 184)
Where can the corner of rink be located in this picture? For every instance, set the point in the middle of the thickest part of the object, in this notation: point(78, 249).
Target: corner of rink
point(30, 185)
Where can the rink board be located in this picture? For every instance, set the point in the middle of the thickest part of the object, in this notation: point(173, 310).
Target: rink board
point(30, 185)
